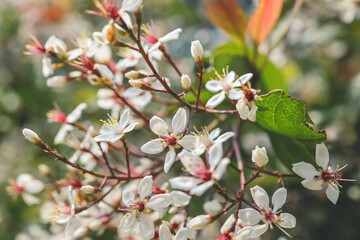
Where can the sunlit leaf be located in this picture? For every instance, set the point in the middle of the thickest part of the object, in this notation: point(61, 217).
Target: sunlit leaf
point(288, 124)
point(227, 15)
point(264, 19)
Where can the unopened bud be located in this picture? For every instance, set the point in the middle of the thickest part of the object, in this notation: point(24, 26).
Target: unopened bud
point(88, 189)
point(33, 137)
point(200, 222)
point(212, 207)
point(136, 83)
point(56, 81)
point(134, 75)
point(44, 169)
point(259, 156)
point(197, 52)
point(185, 82)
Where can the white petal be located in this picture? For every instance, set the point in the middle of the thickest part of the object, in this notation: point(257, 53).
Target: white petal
point(305, 170)
point(228, 224)
point(159, 126)
point(180, 198)
point(153, 147)
point(322, 156)
point(179, 121)
point(252, 114)
point(124, 119)
point(128, 221)
point(215, 100)
point(278, 199)
point(184, 183)
point(245, 78)
point(243, 109)
point(249, 216)
point(235, 94)
point(128, 198)
point(169, 159)
point(130, 127)
point(260, 197)
point(287, 220)
point(258, 230)
point(182, 234)
point(147, 226)
point(145, 187)
point(62, 133)
point(159, 201)
point(164, 232)
point(242, 233)
point(189, 142)
point(200, 189)
point(171, 35)
point(191, 162)
point(214, 133)
point(221, 169)
point(215, 155)
point(34, 186)
point(76, 114)
point(332, 192)
point(230, 77)
point(213, 86)
point(223, 137)
point(47, 69)
point(312, 184)
point(130, 5)
point(30, 199)
point(104, 71)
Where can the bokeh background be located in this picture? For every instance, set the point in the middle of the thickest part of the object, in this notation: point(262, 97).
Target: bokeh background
point(319, 60)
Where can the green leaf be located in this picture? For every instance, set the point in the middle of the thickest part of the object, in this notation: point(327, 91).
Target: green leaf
point(287, 122)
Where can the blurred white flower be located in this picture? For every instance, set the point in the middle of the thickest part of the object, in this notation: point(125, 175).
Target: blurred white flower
point(26, 186)
point(259, 156)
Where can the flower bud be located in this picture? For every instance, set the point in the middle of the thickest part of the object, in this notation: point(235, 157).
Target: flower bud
point(56, 81)
point(133, 75)
point(212, 207)
point(259, 156)
point(33, 137)
point(200, 222)
point(197, 52)
point(185, 82)
point(44, 169)
point(136, 83)
point(88, 189)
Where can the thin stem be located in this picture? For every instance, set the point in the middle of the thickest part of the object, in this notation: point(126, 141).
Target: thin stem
point(126, 153)
point(199, 88)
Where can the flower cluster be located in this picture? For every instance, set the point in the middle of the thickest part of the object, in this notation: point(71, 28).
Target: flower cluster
point(121, 176)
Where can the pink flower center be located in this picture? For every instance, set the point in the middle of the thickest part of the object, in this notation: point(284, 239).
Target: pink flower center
point(248, 94)
point(140, 206)
point(269, 216)
point(334, 177)
point(204, 175)
point(170, 141)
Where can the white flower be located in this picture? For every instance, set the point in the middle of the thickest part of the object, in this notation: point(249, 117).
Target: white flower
point(26, 185)
point(47, 68)
point(202, 178)
point(212, 207)
point(251, 217)
point(197, 51)
point(165, 234)
point(140, 208)
point(227, 84)
point(207, 140)
point(102, 37)
point(130, 5)
point(315, 180)
point(259, 156)
point(151, 37)
point(56, 45)
point(246, 104)
point(67, 121)
point(226, 227)
point(68, 216)
point(112, 130)
point(173, 140)
point(200, 222)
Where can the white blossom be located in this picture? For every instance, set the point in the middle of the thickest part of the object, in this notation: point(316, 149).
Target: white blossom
point(259, 156)
point(113, 130)
point(172, 140)
point(250, 217)
point(316, 179)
